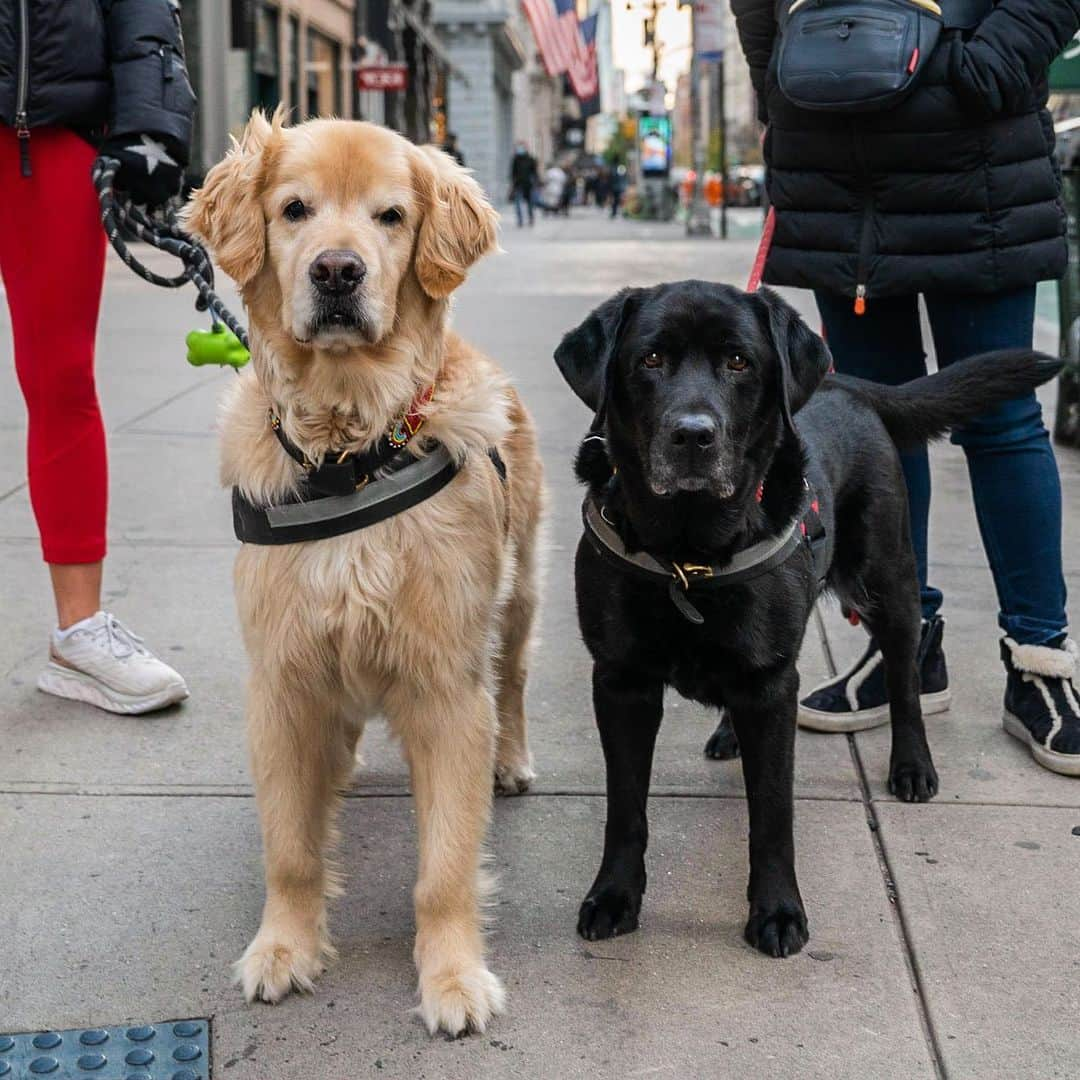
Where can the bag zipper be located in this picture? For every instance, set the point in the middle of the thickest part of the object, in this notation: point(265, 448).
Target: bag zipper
point(829, 22)
point(866, 238)
point(926, 5)
point(22, 123)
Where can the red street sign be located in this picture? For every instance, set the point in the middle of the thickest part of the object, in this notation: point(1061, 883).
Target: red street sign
point(383, 77)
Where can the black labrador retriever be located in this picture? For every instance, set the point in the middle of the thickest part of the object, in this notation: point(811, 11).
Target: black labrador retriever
point(713, 520)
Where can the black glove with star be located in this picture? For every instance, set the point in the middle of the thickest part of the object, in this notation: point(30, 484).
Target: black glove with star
point(150, 172)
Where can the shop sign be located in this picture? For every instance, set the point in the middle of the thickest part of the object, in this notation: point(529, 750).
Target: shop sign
point(382, 77)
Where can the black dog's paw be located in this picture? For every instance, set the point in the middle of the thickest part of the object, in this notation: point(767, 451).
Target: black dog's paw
point(608, 912)
point(913, 781)
point(723, 744)
point(778, 930)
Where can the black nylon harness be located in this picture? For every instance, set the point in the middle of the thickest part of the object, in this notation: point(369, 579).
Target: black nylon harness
point(316, 515)
point(401, 483)
point(752, 562)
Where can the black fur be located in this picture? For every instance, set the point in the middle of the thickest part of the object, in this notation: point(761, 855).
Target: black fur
point(686, 440)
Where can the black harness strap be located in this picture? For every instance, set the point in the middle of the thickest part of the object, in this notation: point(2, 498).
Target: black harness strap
point(403, 483)
point(759, 559)
point(318, 517)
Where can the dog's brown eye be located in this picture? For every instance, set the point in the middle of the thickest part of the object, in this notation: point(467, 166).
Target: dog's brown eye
point(652, 360)
point(736, 363)
point(295, 211)
point(393, 216)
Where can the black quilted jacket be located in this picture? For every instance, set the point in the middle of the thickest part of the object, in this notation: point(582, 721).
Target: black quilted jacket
point(94, 65)
point(955, 189)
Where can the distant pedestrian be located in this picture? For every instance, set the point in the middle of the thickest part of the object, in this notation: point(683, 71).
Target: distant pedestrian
point(566, 199)
point(951, 193)
point(591, 178)
point(450, 146)
point(602, 187)
point(554, 186)
point(524, 178)
point(617, 189)
point(90, 66)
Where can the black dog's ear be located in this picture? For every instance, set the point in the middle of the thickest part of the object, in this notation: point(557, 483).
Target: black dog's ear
point(804, 357)
point(584, 352)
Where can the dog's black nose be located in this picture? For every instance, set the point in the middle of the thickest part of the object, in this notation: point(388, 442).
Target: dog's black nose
point(696, 430)
point(337, 273)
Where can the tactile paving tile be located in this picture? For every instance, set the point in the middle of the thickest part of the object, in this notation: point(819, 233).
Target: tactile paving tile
point(170, 1050)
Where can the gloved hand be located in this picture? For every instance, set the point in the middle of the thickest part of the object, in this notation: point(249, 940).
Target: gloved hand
point(150, 172)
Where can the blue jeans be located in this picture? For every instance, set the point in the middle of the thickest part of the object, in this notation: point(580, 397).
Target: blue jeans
point(1014, 476)
point(522, 200)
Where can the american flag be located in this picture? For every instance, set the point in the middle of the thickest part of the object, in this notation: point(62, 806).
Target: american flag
point(569, 35)
point(566, 46)
point(549, 35)
point(584, 77)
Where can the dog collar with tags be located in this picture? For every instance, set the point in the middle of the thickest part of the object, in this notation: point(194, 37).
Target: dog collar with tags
point(348, 471)
point(746, 565)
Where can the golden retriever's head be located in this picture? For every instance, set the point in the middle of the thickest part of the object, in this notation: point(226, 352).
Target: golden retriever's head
point(325, 225)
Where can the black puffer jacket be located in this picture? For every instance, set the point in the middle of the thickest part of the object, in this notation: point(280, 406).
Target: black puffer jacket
point(96, 64)
point(955, 189)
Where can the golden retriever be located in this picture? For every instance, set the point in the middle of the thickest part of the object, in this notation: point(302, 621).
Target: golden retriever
point(424, 617)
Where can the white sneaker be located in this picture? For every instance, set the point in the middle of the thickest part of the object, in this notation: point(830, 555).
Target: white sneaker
point(100, 661)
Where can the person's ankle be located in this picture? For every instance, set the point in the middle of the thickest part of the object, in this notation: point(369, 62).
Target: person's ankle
point(70, 616)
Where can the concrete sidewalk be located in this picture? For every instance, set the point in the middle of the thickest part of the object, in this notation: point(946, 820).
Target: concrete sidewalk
point(945, 938)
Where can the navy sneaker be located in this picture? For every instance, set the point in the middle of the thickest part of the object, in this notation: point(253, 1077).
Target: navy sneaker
point(1042, 706)
point(857, 699)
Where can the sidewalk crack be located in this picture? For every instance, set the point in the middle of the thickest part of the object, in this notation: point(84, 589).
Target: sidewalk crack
point(911, 962)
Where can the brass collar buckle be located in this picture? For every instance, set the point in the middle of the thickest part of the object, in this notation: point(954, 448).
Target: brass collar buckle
point(686, 572)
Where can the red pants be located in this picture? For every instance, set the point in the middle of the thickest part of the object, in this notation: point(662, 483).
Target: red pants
point(52, 258)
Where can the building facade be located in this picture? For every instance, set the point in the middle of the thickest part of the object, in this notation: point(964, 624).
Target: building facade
point(251, 53)
point(484, 49)
point(303, 54)
point(403, 31)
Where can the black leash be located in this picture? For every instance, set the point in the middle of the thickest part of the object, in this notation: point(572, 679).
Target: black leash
point(122, 222)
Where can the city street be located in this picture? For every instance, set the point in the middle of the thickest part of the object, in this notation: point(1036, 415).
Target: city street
point(945, 938)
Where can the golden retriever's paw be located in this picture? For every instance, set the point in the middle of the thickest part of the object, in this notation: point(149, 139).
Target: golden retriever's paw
point(460, 1002)
point(270, 968)
point(514, 778)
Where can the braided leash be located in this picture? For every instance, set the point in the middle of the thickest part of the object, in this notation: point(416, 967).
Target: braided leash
point(123, 221)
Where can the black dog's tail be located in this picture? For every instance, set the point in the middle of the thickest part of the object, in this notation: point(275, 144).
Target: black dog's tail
point(924, 409)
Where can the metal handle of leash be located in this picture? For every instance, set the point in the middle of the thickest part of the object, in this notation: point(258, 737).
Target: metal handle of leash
point(122, 221)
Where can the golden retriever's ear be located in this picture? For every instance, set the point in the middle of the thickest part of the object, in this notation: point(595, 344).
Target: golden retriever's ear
point(225, 212)
point(459, 224)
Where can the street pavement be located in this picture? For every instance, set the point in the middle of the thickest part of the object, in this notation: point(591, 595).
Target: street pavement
point(945, 938)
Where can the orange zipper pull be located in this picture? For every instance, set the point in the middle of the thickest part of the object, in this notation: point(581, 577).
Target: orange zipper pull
point(860, 300)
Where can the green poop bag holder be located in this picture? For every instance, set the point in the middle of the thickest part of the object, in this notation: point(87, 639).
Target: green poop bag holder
point(218, 345)
point(225, 344)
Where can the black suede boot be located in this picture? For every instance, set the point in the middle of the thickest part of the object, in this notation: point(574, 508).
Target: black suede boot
point(857, 700)
point(1042, 706)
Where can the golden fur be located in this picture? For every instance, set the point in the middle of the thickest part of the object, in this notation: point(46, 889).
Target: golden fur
point(425, 617)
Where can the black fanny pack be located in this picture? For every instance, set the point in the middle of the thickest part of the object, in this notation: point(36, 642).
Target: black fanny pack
point(862, 55)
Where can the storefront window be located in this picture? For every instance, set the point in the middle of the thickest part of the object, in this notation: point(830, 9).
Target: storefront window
point(294, 66)
point(265, 62)
point(323, 75)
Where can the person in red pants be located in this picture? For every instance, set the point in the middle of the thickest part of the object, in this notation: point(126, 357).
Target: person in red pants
point(75, 77)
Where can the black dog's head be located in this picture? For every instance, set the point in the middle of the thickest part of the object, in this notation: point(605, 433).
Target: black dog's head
point(690, 379)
